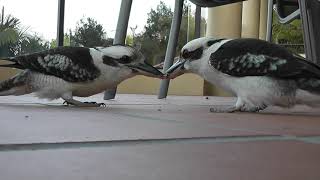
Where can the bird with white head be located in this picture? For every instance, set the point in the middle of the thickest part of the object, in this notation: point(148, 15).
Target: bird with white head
point(64, 72)
point(259, 73)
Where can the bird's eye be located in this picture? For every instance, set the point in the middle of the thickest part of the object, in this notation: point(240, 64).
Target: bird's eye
point(185, 54)
point(125, 59)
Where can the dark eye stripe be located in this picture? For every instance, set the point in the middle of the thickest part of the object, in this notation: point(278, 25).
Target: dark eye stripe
point(115, 62)
point(109, 61)
point(124, 59)
point(193, 55)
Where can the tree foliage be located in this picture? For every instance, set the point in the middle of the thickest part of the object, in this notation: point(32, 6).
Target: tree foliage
point(154, 38)
point(29, 44)
point(14, 40)
point(66, 41)
point(8, 28)
point(289, 35)
point(9, 32)
point(89, 33)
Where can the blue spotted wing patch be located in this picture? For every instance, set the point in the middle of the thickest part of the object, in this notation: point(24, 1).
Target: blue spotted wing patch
point(248, 65)
point(252, 57)
point(73, 64)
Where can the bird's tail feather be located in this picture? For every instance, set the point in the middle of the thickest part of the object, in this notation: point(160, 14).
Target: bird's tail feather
point(308, 98)
point(7, 59)
point(8, 64)
point(16, 85)
point(309, 84)
point(15, 65)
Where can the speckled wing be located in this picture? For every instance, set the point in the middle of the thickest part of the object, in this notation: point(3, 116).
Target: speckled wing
point(253, 57)
point(73, 64)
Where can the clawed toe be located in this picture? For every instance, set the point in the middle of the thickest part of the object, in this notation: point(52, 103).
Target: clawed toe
point(253, 109)
point(102, 104)
point(66, 103)
point(84, 104)
point(97, 104)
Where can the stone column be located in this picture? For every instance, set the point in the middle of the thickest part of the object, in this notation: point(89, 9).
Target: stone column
point(223, 22)
point(250, 19)
point(263, 19)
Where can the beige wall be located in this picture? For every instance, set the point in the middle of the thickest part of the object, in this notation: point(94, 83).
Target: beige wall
point(187, 84)
point(6, 73)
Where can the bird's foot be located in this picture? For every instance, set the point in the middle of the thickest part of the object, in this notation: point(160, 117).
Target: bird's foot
point(84, 104)
point(66, 103)
point(223, 109)
point(97, 104)
point(231, 109)
point(253, 109)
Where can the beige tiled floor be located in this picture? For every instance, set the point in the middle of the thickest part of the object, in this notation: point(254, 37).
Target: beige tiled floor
point(142, 137)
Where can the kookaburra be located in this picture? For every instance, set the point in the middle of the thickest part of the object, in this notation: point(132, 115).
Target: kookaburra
point(64, 72)
point(259, 73)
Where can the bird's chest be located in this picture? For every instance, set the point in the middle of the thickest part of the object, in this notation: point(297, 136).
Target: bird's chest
point(108, 79)
point(90, 88)
point(242, 86)
point(217, 78)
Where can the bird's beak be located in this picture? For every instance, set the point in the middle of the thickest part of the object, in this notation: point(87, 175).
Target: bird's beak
point(146, 69)
point(178, 65)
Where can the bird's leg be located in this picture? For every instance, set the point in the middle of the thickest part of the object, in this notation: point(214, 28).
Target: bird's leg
point(246, 108)
point(231, 109)
point(223, 109)
point(70, 101)
point(241, 105)
point(228, 108)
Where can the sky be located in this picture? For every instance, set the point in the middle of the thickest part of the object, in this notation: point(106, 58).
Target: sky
point(40, 16)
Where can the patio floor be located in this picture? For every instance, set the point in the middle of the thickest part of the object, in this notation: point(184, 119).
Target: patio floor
point(139, 137)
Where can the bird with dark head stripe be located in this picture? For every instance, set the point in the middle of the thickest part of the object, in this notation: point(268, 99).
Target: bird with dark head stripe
point(259, 73)
point(64, 72)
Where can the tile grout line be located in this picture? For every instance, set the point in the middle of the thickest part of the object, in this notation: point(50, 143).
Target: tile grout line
point(135, 142)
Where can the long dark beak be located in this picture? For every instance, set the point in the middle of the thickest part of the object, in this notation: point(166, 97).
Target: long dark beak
point(178, 64)
point(146, 67)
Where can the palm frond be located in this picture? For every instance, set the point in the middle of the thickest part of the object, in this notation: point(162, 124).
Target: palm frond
point(9, 29)
point(8, 21)
point(8, 36)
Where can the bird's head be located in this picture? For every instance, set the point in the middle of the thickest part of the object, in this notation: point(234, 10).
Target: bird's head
point(191, 55)
point(128, 59)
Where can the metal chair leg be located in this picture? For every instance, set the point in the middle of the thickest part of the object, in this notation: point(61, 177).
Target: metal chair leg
point(60, 25)
point(269, 21)
point(197, 22)
point(120, 36)
point(172, 44)
point(310, 13)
